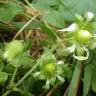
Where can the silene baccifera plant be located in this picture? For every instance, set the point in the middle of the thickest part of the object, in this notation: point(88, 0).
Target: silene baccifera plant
point(48, 67)
point(80, 36)
point(51, 70)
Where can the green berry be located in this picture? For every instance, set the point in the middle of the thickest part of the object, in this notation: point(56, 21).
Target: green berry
point(13, 49)
point(83, 36)
point(50, 70)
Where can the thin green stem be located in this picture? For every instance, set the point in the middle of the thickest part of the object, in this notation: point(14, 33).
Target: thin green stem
point(33, 18)
point(13, 77)
point(6, 93)
point(30, 5)
point(26, 75)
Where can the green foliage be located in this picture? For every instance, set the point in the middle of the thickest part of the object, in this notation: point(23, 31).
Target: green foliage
point(9, 10)
point(66, 10)
point(64, 55)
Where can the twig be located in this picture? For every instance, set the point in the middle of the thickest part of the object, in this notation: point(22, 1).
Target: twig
point(42, 94)
point(53, 89)
point(65, 93)
point(25, 76)
point(6, 93)
point(33, 18)
point(29, 34)
point(28, 3)
point(7, 24)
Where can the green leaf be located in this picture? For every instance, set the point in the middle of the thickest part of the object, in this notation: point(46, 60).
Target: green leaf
point(9, 69)
point(73, 88)
point(24, 61)
point(3, 77)
point(9, 10)
point(50, 13)
point(43, 5)
point(48, 31)
point(71, 7)
point(65, 8)
point(47, 2)
point(54, 18)
point(87, 79)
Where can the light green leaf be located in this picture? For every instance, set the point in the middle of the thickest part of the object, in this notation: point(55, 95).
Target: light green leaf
point(71, 7)
point(9, 10)
point(24, 61)
point(54, 18)
point(48, 10)
point(65, 8)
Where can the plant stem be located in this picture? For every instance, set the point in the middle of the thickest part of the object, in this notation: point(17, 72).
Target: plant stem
point(13, 77)
point(11, 83)
point(53, 89)
point(33, 18)
point(22, 79)
point(28, 3)
point(6, 93)
point(26, 75)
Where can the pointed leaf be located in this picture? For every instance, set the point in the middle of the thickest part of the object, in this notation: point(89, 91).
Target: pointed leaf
point(48, 30)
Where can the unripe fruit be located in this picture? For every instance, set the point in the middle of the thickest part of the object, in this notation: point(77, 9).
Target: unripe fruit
point(13, 49)
point(83, 36)
point(49, 70)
